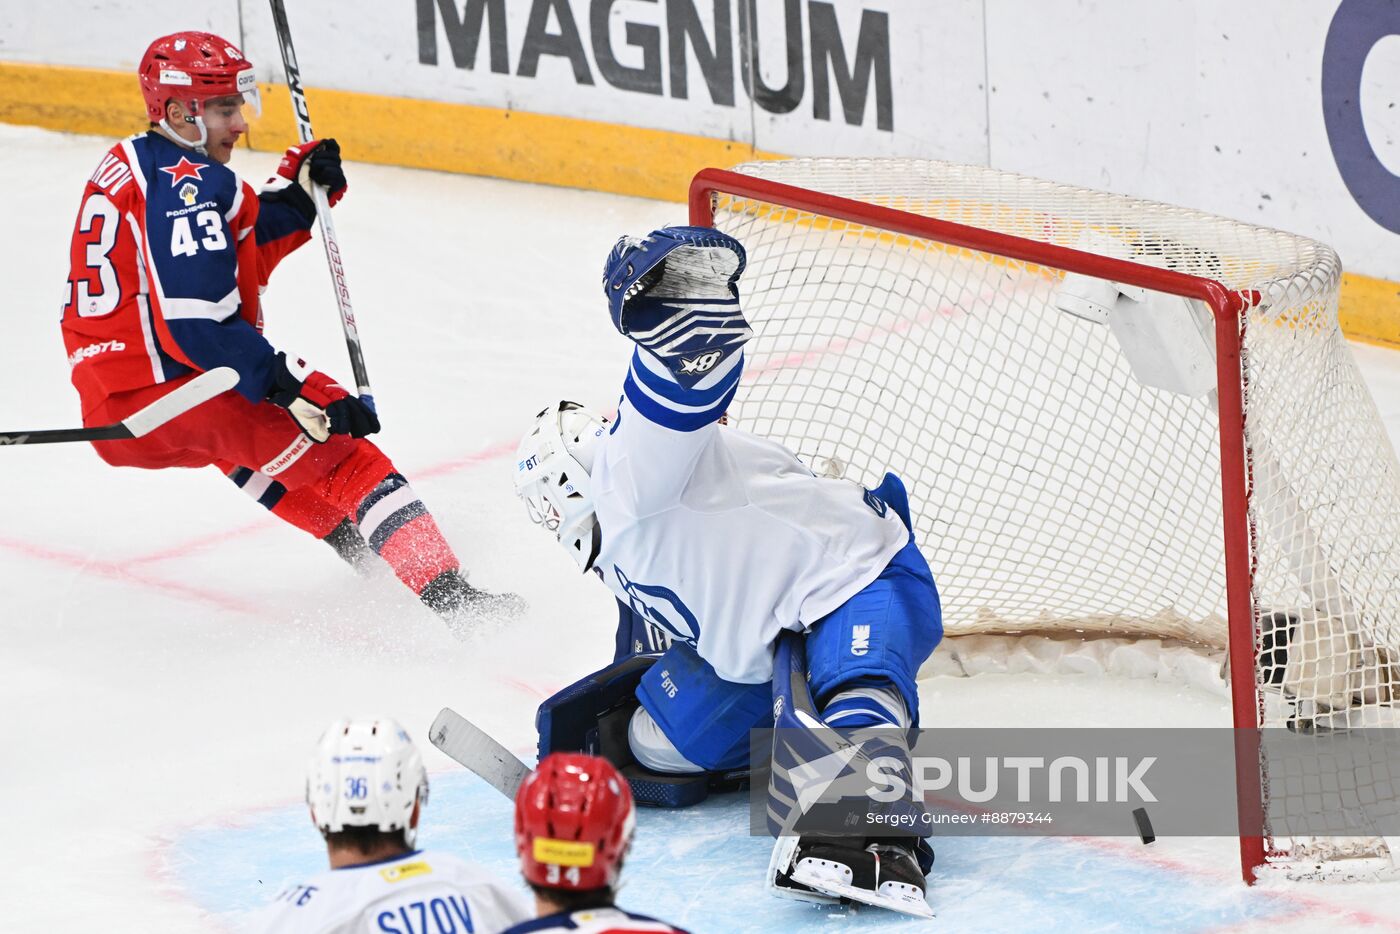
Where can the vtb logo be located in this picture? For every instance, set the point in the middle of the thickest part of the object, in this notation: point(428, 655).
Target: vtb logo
point(703, 363)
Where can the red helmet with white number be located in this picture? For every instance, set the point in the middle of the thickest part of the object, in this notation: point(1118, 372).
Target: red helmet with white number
point(573, 822)
point(193, 67)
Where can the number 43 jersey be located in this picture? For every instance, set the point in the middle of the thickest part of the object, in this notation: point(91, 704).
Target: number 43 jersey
point(168, 255)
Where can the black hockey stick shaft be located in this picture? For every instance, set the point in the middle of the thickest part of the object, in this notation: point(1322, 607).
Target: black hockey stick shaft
point(334, 258)
point(196, 392)
point(116, 432)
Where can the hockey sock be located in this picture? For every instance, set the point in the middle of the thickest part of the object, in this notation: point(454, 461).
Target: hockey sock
point(398, 528)
point(865, 702)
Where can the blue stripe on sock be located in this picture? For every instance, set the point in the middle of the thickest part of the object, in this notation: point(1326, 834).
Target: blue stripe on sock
point(857, 711)
point(389, 484)
point(272, 495)
point(396, 520)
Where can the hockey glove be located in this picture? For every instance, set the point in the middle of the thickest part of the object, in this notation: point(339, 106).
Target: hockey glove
point(676, 293)
point(317, 403)
point(317, 161)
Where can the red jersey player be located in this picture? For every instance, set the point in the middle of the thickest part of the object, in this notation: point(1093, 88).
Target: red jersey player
point(573, 826)
point(169, 254)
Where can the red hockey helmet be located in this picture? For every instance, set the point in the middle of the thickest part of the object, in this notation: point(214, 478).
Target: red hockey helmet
point(573, 822)
point(194, 67)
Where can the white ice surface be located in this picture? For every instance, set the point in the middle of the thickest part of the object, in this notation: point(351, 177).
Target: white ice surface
point(169, 653)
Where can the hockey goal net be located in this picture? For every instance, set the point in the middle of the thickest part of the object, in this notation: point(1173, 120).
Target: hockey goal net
point(1116, 418)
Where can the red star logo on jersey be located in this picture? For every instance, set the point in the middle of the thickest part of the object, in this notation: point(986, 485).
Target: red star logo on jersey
point(182, 170)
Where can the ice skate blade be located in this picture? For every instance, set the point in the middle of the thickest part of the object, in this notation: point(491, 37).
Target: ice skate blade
point(895, 896)
point(780, 862)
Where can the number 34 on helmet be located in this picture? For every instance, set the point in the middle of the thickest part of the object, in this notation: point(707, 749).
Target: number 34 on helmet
point(573, 823)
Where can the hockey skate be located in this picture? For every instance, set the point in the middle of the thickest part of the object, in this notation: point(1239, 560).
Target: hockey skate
point(883, 872)
point(345, 538)
point(466, 609)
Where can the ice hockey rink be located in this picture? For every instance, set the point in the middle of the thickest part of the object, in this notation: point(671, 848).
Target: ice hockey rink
point(171, 652)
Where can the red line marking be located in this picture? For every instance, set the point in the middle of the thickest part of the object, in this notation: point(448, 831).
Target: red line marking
point(119, 571)
point(528, 688)
point(500, 449)
point(204, 543)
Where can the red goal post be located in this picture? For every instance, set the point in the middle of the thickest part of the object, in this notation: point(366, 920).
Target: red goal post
point(941, 250)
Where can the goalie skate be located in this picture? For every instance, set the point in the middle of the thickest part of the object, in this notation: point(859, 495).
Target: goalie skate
point(884, 874)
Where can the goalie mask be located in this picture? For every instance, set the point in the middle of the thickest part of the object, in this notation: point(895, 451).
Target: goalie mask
point(552, 468)
point(366, 773)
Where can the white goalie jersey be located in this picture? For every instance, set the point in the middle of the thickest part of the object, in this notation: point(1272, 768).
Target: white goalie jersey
point(421, 891)
point(723, 538)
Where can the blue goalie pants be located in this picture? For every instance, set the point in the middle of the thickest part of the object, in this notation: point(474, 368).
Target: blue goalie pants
point(878, 639)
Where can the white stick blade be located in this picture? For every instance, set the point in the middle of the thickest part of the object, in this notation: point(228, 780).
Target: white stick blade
point(468, 745)
point(196, 392)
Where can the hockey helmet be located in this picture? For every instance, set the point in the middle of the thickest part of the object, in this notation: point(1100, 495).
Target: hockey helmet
point(552, 467)
point(366, 773)
point(194, 67)
point(573, 822)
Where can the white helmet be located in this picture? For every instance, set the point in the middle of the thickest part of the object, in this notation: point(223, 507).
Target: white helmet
point(552, 467)
point(366, 773)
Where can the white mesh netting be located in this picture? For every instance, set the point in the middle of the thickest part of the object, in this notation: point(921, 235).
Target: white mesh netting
point(1052, 491)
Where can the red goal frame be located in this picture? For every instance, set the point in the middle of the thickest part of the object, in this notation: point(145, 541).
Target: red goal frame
point(1228, 309)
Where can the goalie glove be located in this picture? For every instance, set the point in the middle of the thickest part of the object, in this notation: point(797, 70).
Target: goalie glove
point(676, 294)
point(317, 403)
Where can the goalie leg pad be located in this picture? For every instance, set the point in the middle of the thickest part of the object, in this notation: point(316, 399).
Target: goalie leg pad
point(803, 739)
point(705, 717)
point(885, 632)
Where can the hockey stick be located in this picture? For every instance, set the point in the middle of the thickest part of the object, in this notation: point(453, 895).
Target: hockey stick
point(470, 746)
point(323, 211)
point(197, 391)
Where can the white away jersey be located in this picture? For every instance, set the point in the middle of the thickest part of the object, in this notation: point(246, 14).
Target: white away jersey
point(721, 537)
point(420, 893)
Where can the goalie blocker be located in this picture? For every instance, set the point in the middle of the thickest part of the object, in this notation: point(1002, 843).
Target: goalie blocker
point(593, 714)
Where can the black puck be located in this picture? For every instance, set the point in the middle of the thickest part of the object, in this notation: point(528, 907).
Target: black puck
point(1144, 825)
